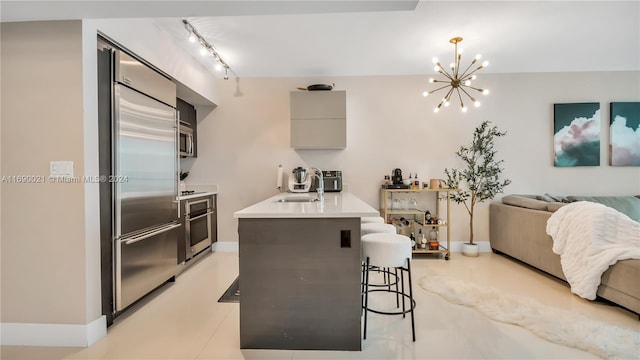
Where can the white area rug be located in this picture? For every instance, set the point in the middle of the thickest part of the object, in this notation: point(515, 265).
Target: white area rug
point(556, 325)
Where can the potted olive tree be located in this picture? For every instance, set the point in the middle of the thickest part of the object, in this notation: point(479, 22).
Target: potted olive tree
point(479, 179)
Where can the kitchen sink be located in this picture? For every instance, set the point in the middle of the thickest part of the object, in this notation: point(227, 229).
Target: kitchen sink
point(297, 199)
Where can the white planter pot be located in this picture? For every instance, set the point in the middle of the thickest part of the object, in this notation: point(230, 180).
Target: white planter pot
point(471, 250)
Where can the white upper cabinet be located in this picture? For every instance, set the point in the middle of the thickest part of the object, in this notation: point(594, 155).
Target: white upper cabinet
point(318, 119)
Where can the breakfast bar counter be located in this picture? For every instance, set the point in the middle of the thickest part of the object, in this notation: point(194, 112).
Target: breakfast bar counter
point(302, 205)
point(300, 272)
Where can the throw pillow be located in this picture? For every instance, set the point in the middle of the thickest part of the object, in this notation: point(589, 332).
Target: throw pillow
point(628, 205)
point(558, 198)
point(545, 198)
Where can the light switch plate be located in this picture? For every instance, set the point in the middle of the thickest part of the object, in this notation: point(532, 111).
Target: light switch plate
point(61, 169)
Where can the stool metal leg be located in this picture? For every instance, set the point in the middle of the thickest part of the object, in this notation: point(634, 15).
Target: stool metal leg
point(413, 327)
point(403, 298)
point(366, 296)
point(362, 289)
point(395, 271)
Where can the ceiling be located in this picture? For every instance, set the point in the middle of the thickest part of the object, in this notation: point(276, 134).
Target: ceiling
point(363, 38)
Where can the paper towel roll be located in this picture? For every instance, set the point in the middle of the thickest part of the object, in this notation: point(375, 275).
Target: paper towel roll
point(280, 174)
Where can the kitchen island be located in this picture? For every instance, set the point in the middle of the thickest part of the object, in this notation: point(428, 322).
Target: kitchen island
point(300, 272)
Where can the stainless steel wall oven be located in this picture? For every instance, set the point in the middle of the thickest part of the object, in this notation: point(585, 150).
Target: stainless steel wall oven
point(198, 215)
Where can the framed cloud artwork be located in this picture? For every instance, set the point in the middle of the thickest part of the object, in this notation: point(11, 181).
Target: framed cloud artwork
point(576, 134)
point(624, 132)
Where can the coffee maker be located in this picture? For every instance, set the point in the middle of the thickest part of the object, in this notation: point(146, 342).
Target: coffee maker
point(396, 179)
point(299, 180)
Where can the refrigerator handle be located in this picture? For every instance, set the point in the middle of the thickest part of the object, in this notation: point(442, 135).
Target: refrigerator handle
point(150, 234)
point(177, 172)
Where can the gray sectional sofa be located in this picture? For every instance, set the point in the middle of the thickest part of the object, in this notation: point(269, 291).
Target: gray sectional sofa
point(517, 228)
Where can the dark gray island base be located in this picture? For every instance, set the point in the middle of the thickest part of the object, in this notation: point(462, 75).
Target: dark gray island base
point(300, 283)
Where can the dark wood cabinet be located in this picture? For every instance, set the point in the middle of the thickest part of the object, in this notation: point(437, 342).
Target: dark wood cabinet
point(187, 114)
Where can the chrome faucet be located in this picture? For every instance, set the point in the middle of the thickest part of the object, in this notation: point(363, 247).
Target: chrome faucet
point(317, 172)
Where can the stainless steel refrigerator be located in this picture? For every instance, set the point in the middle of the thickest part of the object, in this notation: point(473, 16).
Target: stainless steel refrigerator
point(142, 180)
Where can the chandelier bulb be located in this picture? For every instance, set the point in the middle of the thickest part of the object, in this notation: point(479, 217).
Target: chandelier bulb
point(435, 60)
point(432, 80)
point(203, 51)
point(476, 103)
point(436, 109)
point(473, 77)
point(478, 57)
point(436, 68)
point(485, 64)
point(192, 37)
point(218, 67)
point(460, 50)
point(467, 83)
point(485, 91)
point(425, 94)
point(452, 66)
point(464, 109)
point(446, 103)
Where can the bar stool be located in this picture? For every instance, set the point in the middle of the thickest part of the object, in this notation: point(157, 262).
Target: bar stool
point(372, 228)
point(372, 219)
point(375, 228)
point(389, 278)
point(385, 250)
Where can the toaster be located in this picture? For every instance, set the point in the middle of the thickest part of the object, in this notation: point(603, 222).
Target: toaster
point(332, 181)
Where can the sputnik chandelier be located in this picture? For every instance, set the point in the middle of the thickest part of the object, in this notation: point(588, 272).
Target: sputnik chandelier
point(457, 81)
point(206, 48)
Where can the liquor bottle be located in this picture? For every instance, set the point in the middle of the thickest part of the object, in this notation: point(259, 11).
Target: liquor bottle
point(434, 244)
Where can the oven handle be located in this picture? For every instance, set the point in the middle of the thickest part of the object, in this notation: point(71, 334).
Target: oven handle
point(200, 216)
point(150, 234)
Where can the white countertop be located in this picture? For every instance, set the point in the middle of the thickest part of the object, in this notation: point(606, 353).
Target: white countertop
point(200, 190)
point(335, 205)
point(196, 195)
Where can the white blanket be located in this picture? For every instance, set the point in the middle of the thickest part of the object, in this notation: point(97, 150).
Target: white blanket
point(590, 237)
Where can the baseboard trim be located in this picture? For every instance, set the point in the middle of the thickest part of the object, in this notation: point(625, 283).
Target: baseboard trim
point(29, 334)
point(225, 246)
point(456, 246)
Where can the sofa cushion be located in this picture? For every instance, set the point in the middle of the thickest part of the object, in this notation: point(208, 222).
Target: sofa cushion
point(545, 198)
point(525, 202)
point(555, 205)
point(628, 205)
point(557, 197)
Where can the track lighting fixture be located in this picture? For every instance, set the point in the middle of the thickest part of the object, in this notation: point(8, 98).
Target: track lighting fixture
point(206, 48)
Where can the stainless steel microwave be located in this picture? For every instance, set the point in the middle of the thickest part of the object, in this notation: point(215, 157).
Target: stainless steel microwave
point(186, 140)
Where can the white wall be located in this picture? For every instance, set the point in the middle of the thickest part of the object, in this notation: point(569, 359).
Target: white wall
point(50, 232)
point(391, 125)
point(46, 278)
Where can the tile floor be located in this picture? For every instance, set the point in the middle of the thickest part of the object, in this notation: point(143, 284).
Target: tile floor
point(183, 320)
